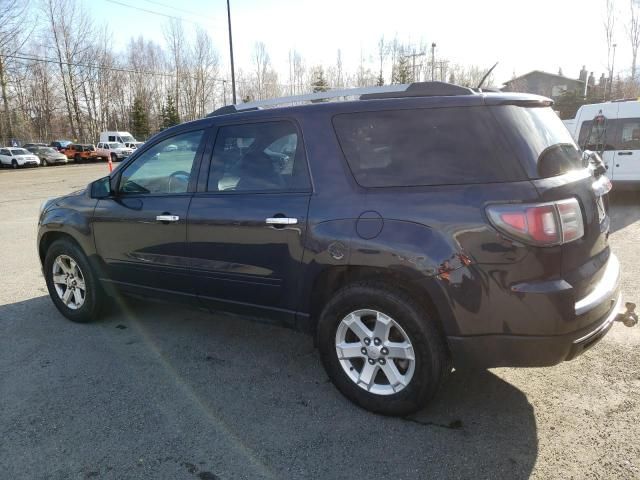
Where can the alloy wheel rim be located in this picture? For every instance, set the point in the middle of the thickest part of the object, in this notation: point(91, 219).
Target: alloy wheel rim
point(375, 352)
point(69, 282)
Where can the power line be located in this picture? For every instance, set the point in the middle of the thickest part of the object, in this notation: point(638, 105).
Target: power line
point(155, 12)
point(31, 58)
point(154, 2)
point(26, 57)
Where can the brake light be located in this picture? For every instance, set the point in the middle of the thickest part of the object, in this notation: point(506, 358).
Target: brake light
point(541, 224)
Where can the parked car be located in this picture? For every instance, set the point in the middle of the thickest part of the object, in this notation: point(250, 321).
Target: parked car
point(81, 153)
point(60, 145)
point(31, 145)
point(18, 157)
point(49, 155)
point(115, 151)
point(416, 228)
point(613, 130)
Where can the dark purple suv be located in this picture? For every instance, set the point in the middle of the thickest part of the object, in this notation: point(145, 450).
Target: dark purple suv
point(412, 230)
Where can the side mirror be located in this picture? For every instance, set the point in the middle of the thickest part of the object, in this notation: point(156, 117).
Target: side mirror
point(103, 188)
point(593, 161)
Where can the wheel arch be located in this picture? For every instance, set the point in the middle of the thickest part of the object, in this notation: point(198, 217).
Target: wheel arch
point(425, 290)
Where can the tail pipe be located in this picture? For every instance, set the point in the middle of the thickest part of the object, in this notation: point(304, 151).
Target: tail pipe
point(629, 317)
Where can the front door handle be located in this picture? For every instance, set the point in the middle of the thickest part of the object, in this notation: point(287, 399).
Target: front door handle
point(625, 153)
point(167, 218)
point(281, 221)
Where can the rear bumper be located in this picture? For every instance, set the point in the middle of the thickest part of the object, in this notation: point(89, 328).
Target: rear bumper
point(601, 306)
point(489, 351)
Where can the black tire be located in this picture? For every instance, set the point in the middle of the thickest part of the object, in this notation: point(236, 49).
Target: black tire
point(14, 164)
point(45, 163)
point(114, 157)
point(94, 296)
point(431, 357)
point(77, 158)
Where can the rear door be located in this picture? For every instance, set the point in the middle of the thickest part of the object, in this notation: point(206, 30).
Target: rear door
point(598, 132)
point(141, 232)
point(248, 220)
point(626, 158)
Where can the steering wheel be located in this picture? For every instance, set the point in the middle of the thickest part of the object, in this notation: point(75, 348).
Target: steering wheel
point(179, 175)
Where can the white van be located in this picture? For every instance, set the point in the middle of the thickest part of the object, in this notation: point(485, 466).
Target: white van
point(118, 137)
point(613, 130)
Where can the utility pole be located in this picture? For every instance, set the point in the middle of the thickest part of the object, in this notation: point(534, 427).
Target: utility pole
point(413, 62)
point(433, 61)
point(224, 91)
point(233, 72)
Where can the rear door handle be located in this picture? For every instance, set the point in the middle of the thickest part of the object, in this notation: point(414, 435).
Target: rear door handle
point(625, 153)
point(281, 221)
point(167, 218)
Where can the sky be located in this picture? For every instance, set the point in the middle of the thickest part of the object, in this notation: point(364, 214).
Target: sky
point(520, 35)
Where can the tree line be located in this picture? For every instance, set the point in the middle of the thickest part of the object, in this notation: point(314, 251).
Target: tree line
point(60, 76)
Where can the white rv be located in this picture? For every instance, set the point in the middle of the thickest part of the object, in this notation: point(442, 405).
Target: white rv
point(118, 137)
point(613, 130)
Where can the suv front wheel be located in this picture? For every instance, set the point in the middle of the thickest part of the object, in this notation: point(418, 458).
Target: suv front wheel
point(381, 348)
point(71, 282)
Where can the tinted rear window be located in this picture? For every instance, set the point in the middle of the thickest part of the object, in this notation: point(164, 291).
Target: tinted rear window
point(542, 141)
point(438, 146)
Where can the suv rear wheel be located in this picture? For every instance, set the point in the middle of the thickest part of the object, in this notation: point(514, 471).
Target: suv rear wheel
point(381, 349)
point(71, 282)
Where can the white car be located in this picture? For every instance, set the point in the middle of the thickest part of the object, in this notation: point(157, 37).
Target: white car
point(114, 150)
point(18, 157)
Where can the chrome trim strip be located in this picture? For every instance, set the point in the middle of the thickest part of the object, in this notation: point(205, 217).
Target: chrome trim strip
point(605, 287)
point(610, 319)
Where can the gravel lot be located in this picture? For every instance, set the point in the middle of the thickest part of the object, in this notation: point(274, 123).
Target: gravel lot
point(157, 391)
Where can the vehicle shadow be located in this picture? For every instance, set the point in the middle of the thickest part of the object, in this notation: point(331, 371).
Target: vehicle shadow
point(624, 209)
point(255, 390)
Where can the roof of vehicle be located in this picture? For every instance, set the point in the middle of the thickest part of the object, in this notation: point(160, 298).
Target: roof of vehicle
point(423, 93)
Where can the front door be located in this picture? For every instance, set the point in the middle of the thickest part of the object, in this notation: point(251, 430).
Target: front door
point(246, 227)
point(141, 231)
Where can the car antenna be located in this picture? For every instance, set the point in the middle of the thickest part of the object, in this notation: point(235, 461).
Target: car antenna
point(486, 75)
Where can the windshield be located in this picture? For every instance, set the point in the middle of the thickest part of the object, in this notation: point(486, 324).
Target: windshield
point(115, 145)
point(127, 138)
point(19, 151)
point(542, 140)
point(47, 150)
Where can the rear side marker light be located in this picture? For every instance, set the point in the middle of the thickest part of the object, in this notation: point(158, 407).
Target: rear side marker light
point(540, 224)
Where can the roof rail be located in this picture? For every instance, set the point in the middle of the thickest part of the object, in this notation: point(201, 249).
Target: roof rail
point(417, 89)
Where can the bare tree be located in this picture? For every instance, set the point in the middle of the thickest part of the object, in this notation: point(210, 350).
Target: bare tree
point(174, 36)
point(11, 38)
point(383, 52)
point(633, 30)
point(609, 30)
point(261, 63)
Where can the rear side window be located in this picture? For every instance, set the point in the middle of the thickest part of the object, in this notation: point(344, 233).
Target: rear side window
point(541, 140)
point(258, 157)
point(627, 134)
point(439, 146)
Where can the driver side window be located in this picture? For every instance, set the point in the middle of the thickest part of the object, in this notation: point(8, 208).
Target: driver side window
point(165, 168)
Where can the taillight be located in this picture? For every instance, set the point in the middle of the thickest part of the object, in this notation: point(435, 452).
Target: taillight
point(542, 224)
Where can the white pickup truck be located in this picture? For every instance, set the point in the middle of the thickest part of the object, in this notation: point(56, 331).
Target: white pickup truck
point(114, 150)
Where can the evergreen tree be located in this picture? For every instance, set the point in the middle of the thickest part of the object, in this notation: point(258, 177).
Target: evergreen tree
point(139, 120)
point(401, 71)
point(380, 81)
point(170, 115)
point(320, 83)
